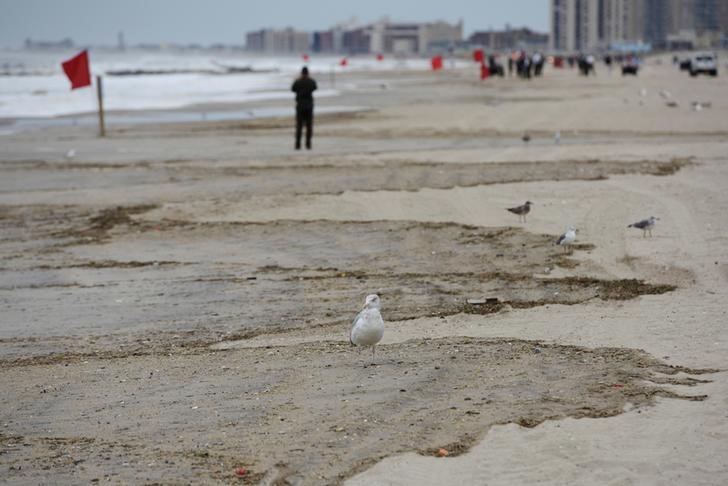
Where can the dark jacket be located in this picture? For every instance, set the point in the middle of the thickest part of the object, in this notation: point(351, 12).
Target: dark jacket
point(304, 88)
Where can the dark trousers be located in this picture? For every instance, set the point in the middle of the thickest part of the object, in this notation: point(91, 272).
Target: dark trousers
point(304, 115)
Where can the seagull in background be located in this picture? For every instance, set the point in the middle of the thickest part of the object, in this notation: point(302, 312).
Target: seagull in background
point(526, 137)
point(368, 326)
point(521, 211)
point(70, 154)
point(566, 239)
point(557, 136)
point(645, 225)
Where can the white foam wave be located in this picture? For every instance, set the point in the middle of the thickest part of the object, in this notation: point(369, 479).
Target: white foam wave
point(46, 93)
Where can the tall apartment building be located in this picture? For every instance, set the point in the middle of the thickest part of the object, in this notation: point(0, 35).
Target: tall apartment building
point(562, 29)
point(582, 25)
point(619, 21)
point(662, 17)
point(573, 24)
point(707, 15)
point(567, 31)
point(711, 22)
point(684, 23)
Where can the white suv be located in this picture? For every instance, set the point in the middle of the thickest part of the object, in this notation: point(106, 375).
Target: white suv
point(704, 63)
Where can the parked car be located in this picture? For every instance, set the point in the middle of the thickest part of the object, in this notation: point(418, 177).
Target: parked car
point(630, 65)
point(704, 63)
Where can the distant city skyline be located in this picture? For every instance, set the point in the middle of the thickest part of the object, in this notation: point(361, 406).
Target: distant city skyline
point(98, 22)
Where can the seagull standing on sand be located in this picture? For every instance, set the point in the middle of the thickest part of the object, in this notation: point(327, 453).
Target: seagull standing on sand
point(368, 326)
point(521, 211)
point(645, 225)
point(567, 238)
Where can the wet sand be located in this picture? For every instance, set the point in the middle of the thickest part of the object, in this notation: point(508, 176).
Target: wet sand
point(177, 298)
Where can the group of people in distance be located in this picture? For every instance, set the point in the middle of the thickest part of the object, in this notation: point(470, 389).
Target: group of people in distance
point(525, 66)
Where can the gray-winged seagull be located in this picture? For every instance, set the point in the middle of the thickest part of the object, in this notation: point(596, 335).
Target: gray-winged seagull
point(567, 238)
point(645, 225)
point(521, 210)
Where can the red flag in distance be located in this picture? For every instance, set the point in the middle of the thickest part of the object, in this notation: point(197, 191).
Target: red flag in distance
point(436, 63)
point(380, 57)
point(478, 55)
point(344, 61)
point(77, 70)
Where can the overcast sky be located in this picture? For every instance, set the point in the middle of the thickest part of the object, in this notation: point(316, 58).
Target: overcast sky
point(98, 22)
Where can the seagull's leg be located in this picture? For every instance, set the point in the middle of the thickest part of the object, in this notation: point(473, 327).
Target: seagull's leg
point(373, 348)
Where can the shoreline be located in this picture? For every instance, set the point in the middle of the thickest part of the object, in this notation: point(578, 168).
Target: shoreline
point(276, 105)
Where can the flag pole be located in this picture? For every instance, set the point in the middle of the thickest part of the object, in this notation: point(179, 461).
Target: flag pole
point(100, 96)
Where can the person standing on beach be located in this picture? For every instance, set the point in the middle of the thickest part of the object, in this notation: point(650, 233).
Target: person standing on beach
point(304, 87)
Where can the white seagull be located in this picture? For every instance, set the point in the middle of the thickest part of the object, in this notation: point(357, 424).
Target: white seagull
point(645, 225)
point(567, 238)
point(368, 326)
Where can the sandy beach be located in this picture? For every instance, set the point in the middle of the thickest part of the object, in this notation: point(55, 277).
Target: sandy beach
point(176, 298)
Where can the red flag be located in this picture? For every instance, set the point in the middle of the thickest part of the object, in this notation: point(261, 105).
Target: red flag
point(484, 71)
point(380, 57)
point(478, 55)
point(78, 71)
point(305, 57)
point(436, 63)
point(344, 61)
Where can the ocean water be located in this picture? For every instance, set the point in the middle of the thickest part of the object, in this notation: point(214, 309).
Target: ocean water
point(37, 88)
